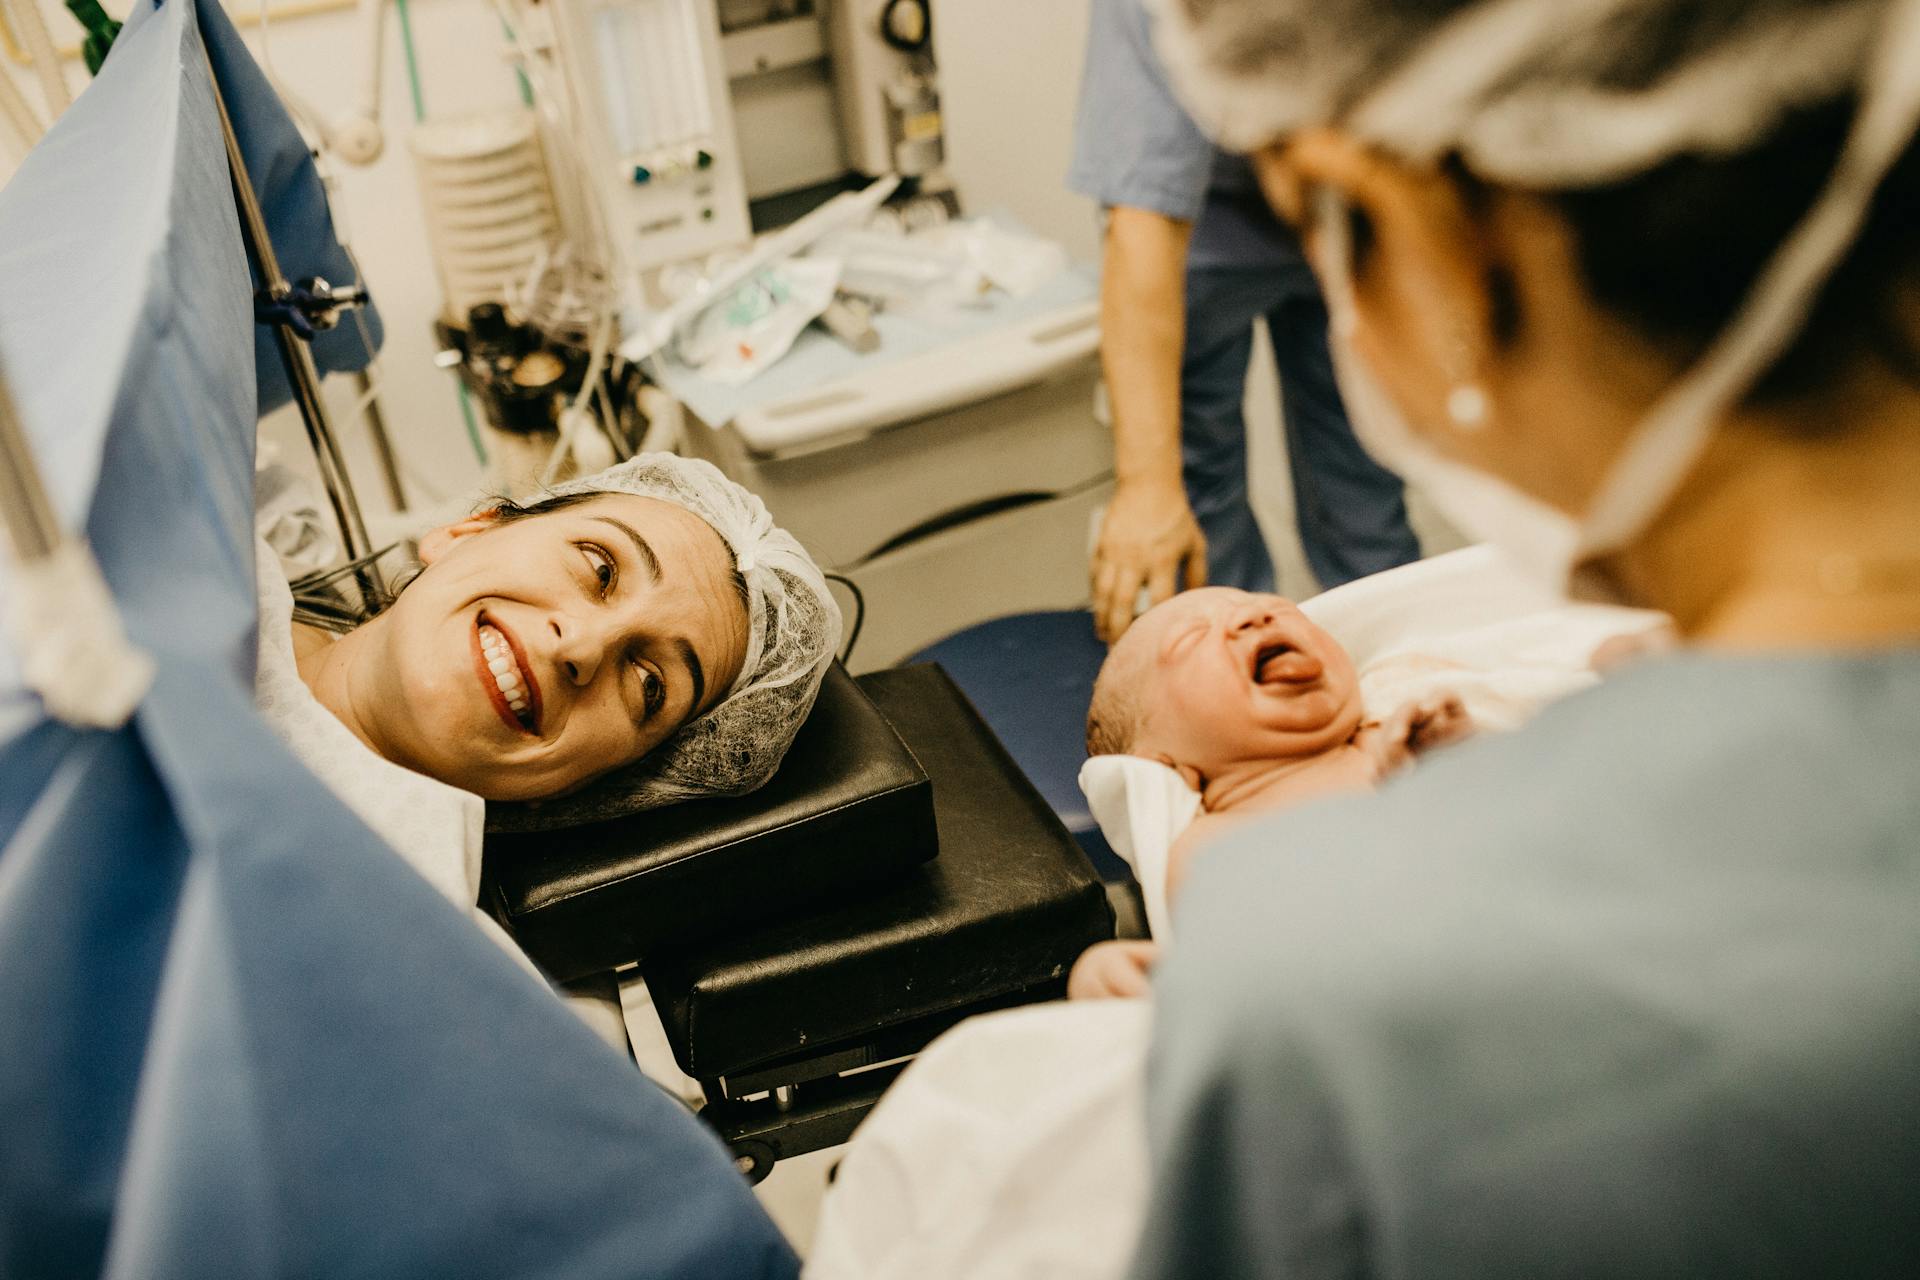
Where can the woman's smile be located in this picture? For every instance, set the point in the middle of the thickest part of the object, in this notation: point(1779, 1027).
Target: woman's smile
point(501, 664)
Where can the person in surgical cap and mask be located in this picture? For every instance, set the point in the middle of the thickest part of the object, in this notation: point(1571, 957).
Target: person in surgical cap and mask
point(1630, 288)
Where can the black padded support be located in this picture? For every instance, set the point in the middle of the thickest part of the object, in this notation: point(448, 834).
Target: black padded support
point(849, 807)
point(1003, 911)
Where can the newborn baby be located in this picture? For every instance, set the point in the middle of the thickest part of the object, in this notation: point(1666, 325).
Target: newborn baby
point(1256, 708)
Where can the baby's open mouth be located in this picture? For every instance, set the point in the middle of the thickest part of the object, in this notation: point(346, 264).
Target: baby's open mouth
point(511, 689)
point(1278, 662)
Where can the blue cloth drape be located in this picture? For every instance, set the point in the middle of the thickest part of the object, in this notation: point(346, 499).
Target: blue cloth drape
point(238, 1036)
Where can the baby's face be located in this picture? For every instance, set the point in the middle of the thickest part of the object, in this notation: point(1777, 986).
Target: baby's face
point(1224, 676)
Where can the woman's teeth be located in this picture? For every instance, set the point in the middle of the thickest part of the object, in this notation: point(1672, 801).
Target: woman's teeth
point(505, 675)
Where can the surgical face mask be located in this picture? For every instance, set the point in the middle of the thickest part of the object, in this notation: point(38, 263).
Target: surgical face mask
point(1540, 539)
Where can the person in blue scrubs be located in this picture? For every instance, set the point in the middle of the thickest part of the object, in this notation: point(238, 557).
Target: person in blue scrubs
point(1192, 258)
point(1635, 990)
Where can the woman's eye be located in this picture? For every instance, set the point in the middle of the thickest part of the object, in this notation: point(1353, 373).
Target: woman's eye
point(653, 691)
point(604, 572)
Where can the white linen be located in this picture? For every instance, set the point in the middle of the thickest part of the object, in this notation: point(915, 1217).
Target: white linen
point(1142, 806)
point(1015, 1148)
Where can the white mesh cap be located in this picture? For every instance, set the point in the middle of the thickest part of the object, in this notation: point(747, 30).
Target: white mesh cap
point(793, 631)
point(1542, 93)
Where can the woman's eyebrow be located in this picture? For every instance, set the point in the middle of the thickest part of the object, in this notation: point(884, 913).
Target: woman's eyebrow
point(647, 558)
point(695, 672)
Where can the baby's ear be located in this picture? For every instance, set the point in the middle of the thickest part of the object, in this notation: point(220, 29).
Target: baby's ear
point(437, 542)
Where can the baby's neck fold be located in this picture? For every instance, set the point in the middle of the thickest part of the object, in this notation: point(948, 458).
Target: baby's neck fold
point(1270, 783)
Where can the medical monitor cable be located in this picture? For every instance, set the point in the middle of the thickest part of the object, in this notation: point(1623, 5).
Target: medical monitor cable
point(859, 612)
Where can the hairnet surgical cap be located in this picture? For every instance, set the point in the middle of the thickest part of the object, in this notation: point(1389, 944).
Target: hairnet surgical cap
point(1532, 93)
point(793, 630)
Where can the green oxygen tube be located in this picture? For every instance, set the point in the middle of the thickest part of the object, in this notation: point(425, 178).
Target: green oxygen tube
point(419, 114)
point(100, 30)
point(413, 66)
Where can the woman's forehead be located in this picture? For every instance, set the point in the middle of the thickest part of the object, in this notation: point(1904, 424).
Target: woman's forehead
point(656, 519)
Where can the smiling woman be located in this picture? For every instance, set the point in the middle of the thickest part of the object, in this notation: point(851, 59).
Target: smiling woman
point(652, 615)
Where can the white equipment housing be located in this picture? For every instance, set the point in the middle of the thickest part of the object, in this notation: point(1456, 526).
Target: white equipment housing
point(650, 91)
point(489, 205)
point(952, 486)
point(692, 108)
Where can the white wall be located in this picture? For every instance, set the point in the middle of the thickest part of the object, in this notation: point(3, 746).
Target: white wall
point(1009, 81)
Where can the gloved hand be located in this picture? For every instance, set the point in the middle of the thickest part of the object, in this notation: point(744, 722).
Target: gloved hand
point(1148, 537)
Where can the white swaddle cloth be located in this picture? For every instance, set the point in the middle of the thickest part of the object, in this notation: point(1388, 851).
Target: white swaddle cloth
point(1465, 623)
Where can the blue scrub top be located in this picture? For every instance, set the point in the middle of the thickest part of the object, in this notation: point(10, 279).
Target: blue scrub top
point(1135, 145)
point(1634, 991)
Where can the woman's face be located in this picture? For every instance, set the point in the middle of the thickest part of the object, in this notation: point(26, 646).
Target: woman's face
point(532, 655)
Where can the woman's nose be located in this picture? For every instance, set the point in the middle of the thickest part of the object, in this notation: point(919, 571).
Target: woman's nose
point(577, 651)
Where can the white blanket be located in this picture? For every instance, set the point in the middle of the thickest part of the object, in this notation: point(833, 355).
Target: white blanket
point(1014, 1146)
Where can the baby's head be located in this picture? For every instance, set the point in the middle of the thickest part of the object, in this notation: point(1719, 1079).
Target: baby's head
point(1218, 677)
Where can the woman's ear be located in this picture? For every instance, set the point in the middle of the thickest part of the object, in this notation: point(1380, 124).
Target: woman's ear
point(437, 542)
point(1431, 313)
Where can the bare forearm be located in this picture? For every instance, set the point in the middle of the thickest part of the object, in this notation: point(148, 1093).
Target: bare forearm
point(1148, 539)
point(1143, 328)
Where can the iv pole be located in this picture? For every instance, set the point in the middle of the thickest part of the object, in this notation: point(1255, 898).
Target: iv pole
point(302, 376)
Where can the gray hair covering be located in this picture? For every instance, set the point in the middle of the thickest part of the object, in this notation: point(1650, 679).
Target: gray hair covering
point(793, 631)
point(1539, 93)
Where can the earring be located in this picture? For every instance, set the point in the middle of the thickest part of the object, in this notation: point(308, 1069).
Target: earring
point(1467, 406)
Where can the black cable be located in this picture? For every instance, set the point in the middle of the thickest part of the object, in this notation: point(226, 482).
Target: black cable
point(325, 614)
point(859, 613)
point(322, 577)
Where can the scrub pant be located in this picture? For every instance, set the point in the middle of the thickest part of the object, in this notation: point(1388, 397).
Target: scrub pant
point(1350, 510)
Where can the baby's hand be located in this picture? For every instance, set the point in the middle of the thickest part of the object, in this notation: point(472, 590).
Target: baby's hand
point(1416, 728)
point(1436, 721)
point(1112, 970)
